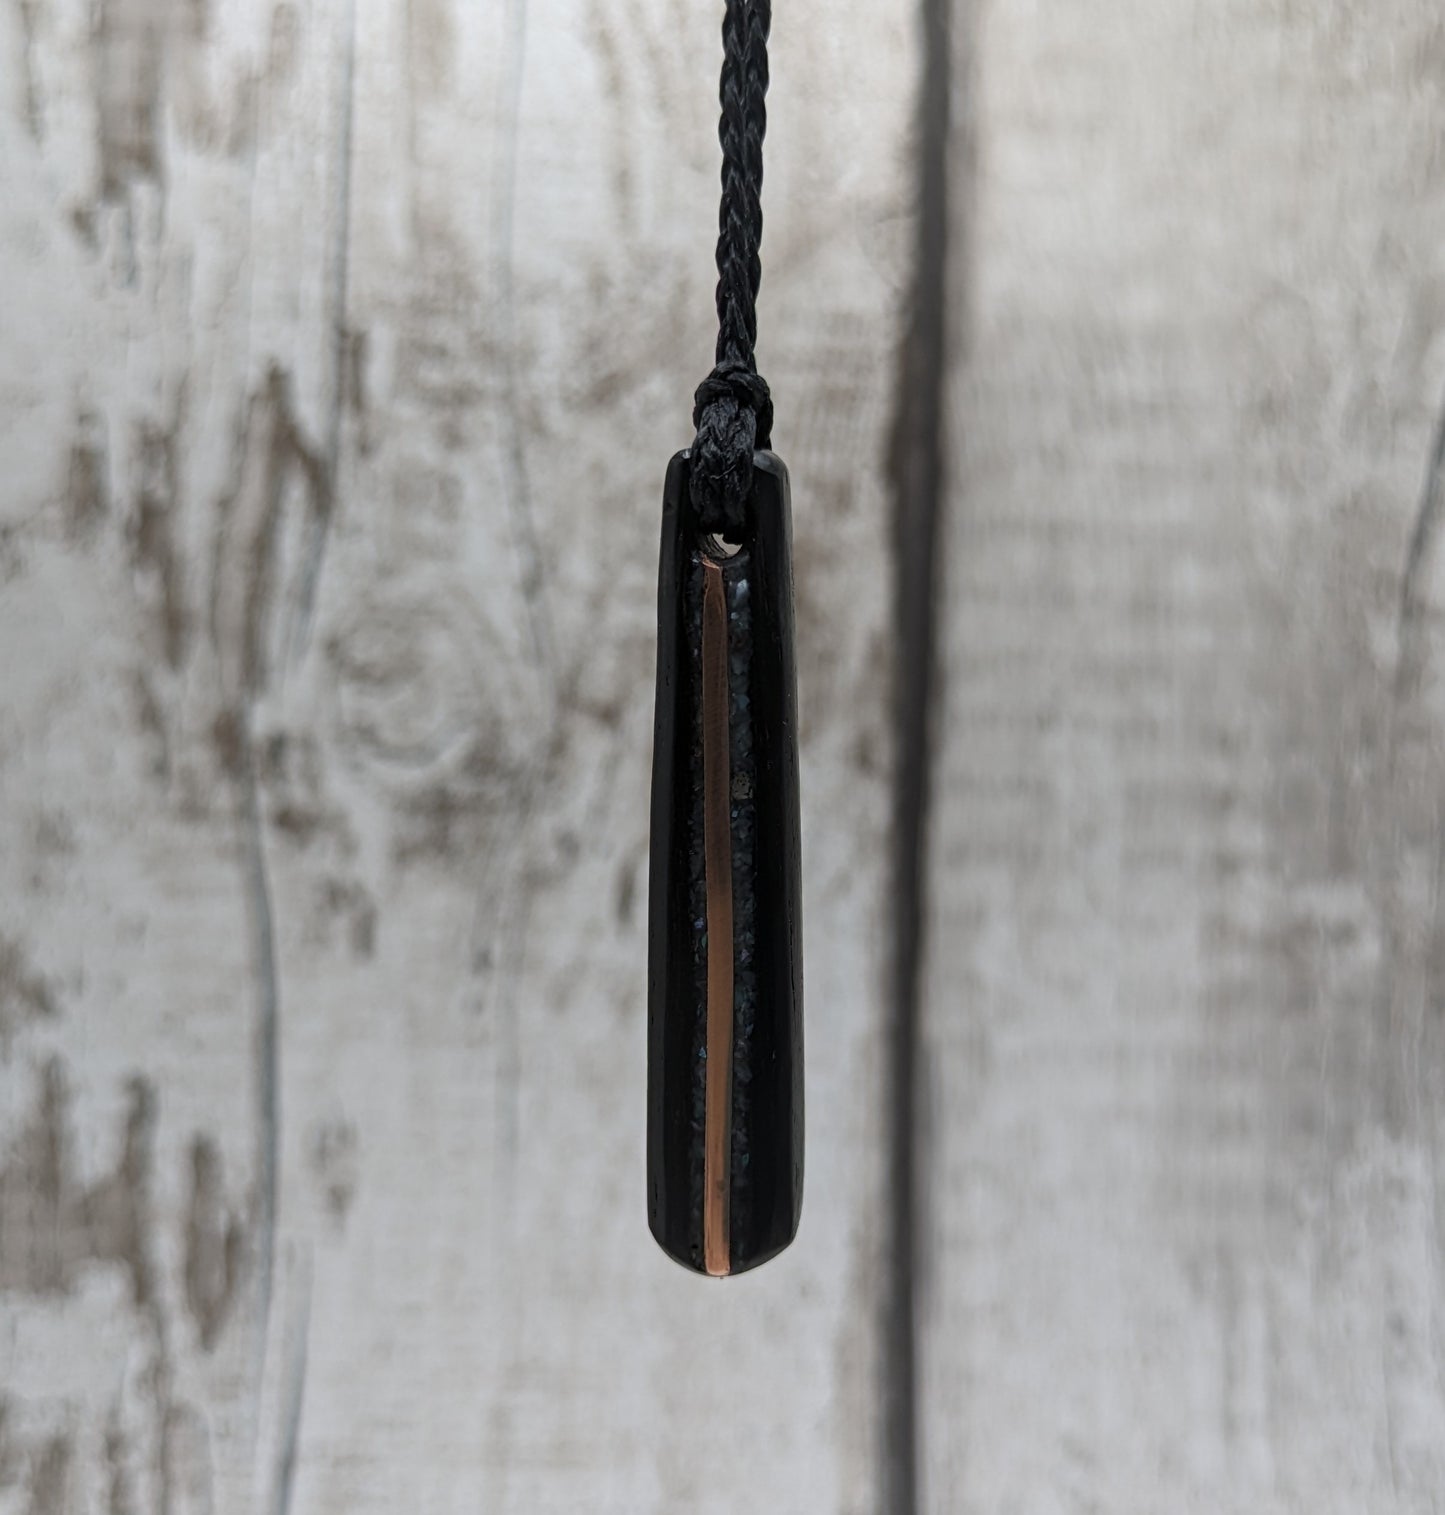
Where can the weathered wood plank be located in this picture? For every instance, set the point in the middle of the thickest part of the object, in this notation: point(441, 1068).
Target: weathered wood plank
point(166, 326)
point(345, 348)
point(1183, 1008)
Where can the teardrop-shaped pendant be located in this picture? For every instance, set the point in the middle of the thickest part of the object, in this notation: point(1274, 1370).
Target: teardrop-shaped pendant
point(725, 1000)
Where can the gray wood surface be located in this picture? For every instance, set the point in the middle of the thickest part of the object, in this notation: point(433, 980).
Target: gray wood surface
point(344, 346)
point(1184, 1004)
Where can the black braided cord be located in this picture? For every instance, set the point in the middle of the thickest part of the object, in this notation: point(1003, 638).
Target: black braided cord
point(732, 410)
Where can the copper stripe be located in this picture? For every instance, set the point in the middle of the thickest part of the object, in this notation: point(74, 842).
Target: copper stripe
point(718, 872)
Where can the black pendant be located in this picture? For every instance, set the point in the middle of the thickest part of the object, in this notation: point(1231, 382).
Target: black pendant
point(725, 969)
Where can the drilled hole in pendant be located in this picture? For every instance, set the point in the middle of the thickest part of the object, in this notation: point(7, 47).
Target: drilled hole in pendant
point(720, 551)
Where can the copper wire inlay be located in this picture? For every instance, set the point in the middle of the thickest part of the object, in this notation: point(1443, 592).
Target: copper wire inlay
point(718, 875)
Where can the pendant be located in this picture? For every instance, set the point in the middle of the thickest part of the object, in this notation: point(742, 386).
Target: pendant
point(725, 988)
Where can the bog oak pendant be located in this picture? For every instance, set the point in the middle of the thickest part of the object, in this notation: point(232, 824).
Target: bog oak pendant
point(725, 1000)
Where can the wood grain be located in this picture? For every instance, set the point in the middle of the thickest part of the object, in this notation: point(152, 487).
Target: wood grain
point(345, 348)
point(1183, 982)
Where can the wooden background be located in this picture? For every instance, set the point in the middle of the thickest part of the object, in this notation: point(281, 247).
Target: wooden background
point(342, 348)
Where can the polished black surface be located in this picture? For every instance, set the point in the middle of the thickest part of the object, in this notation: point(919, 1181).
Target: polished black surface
point(766, 1154)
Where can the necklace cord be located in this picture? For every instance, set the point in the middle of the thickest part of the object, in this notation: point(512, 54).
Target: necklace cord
point(733, 410)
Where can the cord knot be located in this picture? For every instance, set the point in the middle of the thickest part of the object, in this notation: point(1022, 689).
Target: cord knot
point(733, 413)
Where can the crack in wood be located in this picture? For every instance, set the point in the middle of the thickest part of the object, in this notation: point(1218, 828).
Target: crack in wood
point(1410, 656)
point(345, 347)
point(518, 493)
point(293, 1395)
point(267, 1045)
point(916, 470)
point(273, 451)
point(215, 1242)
